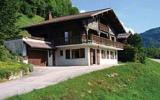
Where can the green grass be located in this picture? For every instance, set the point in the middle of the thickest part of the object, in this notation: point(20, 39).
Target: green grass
point(132, 81)
point(26, 21)
point(11, 67)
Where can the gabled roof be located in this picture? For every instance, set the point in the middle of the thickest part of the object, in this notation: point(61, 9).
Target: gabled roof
point(76, 17)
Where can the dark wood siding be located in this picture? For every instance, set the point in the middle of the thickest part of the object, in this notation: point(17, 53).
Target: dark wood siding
point(55, 32)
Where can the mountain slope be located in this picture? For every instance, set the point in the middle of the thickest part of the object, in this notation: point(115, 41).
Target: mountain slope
point(24, 20)
point(151, 38)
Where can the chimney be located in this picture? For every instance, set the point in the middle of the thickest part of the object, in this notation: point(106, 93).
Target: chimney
point(49, 16)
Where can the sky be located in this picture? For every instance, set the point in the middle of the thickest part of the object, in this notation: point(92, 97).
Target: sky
point(138, 15)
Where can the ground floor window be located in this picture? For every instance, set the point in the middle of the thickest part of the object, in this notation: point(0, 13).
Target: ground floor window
point(61, 52)
point(78, 53)
point(67, 54)
point(112, 55)
point(115, 54)
point(107, 54)
point(103, 53)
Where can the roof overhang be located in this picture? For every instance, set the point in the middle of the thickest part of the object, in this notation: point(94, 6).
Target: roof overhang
point(38, 43)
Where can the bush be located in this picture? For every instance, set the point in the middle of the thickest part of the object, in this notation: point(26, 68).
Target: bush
point(141, 57)
point(9, 64)
point(132, 54)
point(128, 54)
point(10, 68)
point(5, 54)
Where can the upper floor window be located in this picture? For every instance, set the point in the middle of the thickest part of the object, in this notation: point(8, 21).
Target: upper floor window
point(113, 38)
point(66, 36)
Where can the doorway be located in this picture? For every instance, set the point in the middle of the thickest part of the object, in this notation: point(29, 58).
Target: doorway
point(92, 56)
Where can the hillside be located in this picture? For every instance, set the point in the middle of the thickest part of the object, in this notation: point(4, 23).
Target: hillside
point(24, 20)
point(151, 38)
point(132, 81)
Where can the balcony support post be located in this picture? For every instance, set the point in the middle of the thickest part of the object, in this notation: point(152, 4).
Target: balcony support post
point(87, 29)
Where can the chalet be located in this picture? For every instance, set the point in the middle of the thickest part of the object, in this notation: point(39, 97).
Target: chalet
point(84, 39)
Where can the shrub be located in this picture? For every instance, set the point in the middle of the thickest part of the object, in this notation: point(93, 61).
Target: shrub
point(5, 54)
point(141, 57)
point(132, 54)
point(128, 54)
point(10, 68)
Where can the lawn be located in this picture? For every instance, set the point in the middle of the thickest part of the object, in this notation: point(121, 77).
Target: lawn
point(132, 81)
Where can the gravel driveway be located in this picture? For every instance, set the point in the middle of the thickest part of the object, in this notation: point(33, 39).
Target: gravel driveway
point(157, 60)
point(43, 77)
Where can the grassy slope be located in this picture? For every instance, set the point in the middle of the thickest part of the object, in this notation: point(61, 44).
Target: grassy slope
point(6, 68)
point(133, 82)
point(25, 21)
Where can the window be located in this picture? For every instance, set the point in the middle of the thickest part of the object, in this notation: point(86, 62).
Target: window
point(66, 36)
point(112, 38)
point(112, 55)
point(61, 52)
point(115, 54)
point(103, 53)
point(107, 54)
point(78, 53)
point(67, 54)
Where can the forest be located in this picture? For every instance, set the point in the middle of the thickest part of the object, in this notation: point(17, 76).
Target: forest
point(18, 13)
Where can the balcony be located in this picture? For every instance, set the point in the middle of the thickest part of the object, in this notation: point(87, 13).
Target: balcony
point(82, 39)
point(104, 41)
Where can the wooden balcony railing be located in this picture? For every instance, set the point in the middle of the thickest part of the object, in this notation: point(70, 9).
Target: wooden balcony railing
point(104, 41)
point(82, 39)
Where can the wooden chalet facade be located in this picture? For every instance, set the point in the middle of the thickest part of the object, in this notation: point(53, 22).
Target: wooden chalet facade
point(77, 40)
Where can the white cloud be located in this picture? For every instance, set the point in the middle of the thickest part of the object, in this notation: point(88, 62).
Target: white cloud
point(82, 11)
point(128, 28)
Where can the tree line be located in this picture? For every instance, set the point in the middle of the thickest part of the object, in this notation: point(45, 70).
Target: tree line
point(9, 10)
point(42, 7)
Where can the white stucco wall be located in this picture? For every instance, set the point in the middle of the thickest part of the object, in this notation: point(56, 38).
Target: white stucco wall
point(62, 61)
point(106, 61)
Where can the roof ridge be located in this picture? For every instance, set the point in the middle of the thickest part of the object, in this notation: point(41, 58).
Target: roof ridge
point(84, 12)
point(69, 17)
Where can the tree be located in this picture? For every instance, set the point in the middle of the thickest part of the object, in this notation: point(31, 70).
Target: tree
point(42, 7)
point(8, 10)
point(135, 40)
point(133, 51)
